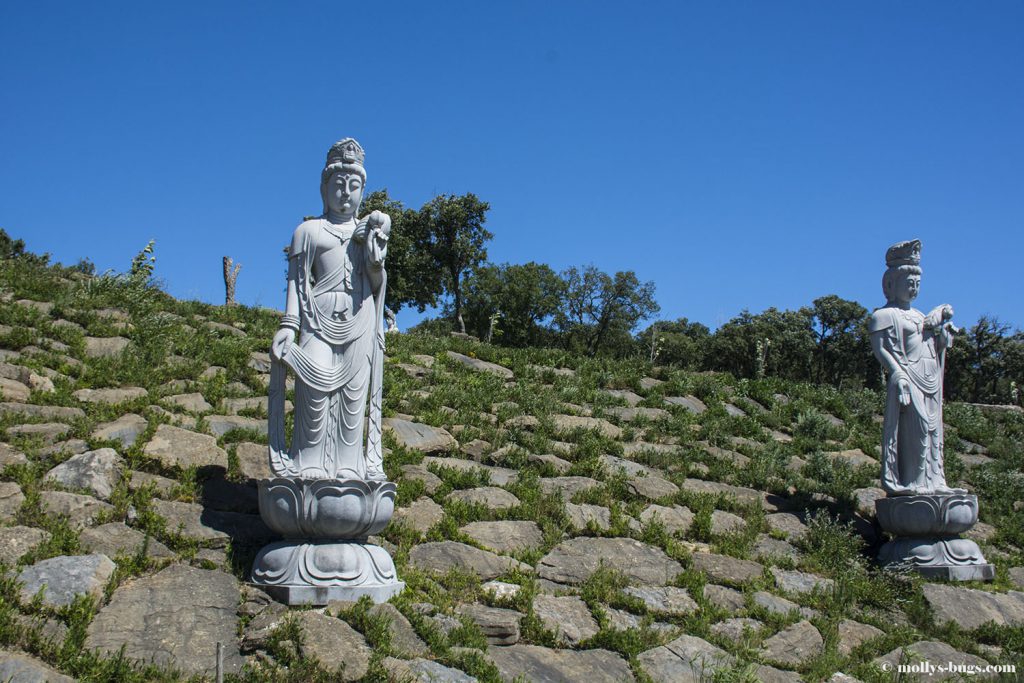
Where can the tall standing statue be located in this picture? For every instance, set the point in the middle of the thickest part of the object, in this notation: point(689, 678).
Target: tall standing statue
point(921, 510)
point(330, 490)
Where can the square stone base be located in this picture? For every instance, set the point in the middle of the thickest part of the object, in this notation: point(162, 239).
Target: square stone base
point(321, 595)
point(968, 572)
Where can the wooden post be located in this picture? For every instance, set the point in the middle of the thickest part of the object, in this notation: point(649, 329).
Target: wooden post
point(230, 276)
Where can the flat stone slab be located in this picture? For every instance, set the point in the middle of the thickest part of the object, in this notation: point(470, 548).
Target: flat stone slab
point(723, 522)
point(652, 487)
point(634, 414)
point(690, 403)
point(64, 578)
point(583, 515)
point(219, 425)
point(570, 423)
point(615, 465)
point(47, 432)
point(431, 482)
point(567, 616)
point(736, 627)
point(253, 461)
point(667, 599)
point(11, 499)
point(124, 429)
point(505, 536)
point(403, 637)
point(491, 497)
point(15, 541)
point(80, 510)
point(801, 582)
point(334, 644)
point(18, 667)
point(193, 402)
point(766, 547)
point(775, 604)
point(115, 539)
point(98, 471)
point(421, 670)
point(567, 487)
point(536, 663)
point(500, 626)
point(105, 347)
point(687, 659)
point(420, 515)
point(624, 395)
point(852, 634)
point(213, 528)
point(574, 561)
point(935, 653)
point(177, 447)
point(44, 412)
point(11, 456)
point(445, 555)
point(794, 645)
point(722, 597)
point(971, 608)
point(420, 437)
point(111, 396)
point(481, 365)
point(676, 519)
point(13, 390)
point(725, 569)
point(174, 617)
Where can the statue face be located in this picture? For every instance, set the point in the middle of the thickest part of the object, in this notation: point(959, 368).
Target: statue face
point(344, 193)
point(907, 286)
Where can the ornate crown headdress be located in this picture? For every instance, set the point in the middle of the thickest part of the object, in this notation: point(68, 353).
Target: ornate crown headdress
point(347, 152)
point(904, 254)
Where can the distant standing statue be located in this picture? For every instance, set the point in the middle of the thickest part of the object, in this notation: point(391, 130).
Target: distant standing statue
point(911, 347)
point(921, 510)
point(330, 491)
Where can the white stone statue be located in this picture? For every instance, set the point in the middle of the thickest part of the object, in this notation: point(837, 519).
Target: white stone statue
point(912, 347)
point(335, 304)
point(922, 513)
point(329, 492)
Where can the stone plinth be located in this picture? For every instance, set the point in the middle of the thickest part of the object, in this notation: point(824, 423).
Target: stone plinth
point(926, 529)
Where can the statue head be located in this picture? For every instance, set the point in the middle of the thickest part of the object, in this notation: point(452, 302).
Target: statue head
point(902, 279)
point(343, 179)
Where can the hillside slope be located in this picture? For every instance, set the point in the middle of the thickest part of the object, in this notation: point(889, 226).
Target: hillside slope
point(560, 518)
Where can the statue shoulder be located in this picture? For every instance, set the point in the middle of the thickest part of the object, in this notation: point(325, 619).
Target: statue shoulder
point(305, 231)
point(882, 319)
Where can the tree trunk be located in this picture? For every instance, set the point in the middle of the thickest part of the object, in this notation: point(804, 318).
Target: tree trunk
point(230, 276)
point(457, 294)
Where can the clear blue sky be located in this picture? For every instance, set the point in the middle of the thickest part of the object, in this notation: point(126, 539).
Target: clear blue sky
point(739, 154)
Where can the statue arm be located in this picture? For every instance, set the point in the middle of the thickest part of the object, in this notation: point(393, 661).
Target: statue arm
point(897, 376)
point(376, 235)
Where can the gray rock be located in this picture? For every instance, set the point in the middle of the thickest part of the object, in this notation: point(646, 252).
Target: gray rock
point(581, 516)
point(740, 493)
point(788, 524)
point(174, 617)
point(505, 536)
point(535, 663)
point(624, 395)
point(1016, 575)
point(420, 437)
point(652, 488)
point(676, 519)
point(259, 361)
point(668, 599)
point(733, 629)
point(634, 448)
point(734, 411)
point(853, 634)
point(971, 608)
point(616, 465)
point(177, 447)
point(161, 485)
point(213, 528)
point(431, 482)
point(47, 432)
point(334, 644)
point(690, 403)
point(11, 499)
point(726, 523)
point(124, 429)
point(499, 625)
point(13, 390)
point(420, 515)
point(233, 406)
point(725, 569)
point(424, 671)
point(194, 402)
point(865, 499)
point(444, 555)
point(558, 464)
point(768, 674)
point(65, 449)
point(794, 645)
point(115, 539)
point(15, 541)
point(934, 652)
point(801, 582)
point(98, 471)
point(18, 667)
point(110, 396)
point(728, 599)
point(44, 412)
point(570, 423)
point(854, 457)
point(11, 456)
point(687, 659)
point(403, 637)
point(219, 425)
point(500, 590)
point(499, 476)
point(253, 461)
point(633, 414)
point(481, 365)
point(223, 328)
point(567, 616)
point(105, 347)
point(80, 510)
point(491, 497)
point(567, 487)
point(64, 578)
point(775, 604)
point(575, 560)
point(766, 547)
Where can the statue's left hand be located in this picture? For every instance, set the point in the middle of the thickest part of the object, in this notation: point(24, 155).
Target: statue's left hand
point(378, 223)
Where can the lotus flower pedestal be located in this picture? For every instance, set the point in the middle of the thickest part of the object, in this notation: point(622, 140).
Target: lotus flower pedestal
point(927, 532)
point(324, 555)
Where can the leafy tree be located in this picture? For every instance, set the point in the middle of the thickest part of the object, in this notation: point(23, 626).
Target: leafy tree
point(600, 311)
point(413, 279)
point(681, 343)
point(454, 228)
point(784, 339)
point(976, 362)
point(843, 346)
point(510, 303)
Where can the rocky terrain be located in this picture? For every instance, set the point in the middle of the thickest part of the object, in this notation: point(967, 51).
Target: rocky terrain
point(560, 518)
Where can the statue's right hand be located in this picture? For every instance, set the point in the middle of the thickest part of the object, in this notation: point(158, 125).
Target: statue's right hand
point(284, 338)
point(904, 392)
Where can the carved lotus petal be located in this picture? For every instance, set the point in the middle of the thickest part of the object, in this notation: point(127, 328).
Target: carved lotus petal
point(326, 508)
point(927, 515)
